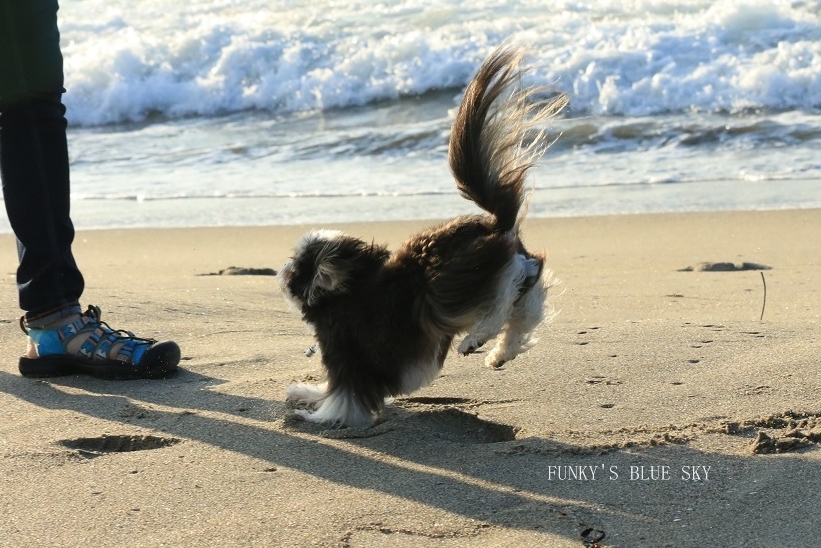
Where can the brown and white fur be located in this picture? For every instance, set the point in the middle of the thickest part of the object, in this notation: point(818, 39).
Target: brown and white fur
point(384, 322)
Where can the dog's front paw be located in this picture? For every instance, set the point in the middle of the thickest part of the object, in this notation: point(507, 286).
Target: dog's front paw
point(470, 345)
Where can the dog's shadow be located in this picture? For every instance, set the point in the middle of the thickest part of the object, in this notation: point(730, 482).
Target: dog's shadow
point(445, 418)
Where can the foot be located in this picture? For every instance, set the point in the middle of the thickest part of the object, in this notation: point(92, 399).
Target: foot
point(85, 345)
point(471, 344)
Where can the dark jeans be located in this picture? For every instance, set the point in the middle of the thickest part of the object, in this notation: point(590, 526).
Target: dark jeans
point(34, 156)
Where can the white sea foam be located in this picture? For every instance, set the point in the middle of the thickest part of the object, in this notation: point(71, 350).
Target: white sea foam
point(126, 63)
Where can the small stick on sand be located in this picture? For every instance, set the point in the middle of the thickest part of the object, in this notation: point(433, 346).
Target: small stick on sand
point(765, 296)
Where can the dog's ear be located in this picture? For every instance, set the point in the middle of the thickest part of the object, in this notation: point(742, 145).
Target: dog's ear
point(328, 270)
point(328, 276)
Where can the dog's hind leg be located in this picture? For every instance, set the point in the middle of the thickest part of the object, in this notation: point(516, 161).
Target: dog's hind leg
point(527, 313)
point(491, 322)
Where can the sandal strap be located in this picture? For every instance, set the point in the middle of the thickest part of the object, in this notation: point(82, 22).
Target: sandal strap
point(74, 328)
point(96, 345)
point(127, 350)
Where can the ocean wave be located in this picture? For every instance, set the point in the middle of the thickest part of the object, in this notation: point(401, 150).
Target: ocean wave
point(645, 133)
point(638, 58)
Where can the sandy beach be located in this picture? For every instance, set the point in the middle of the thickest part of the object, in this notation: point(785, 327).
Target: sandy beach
point(657, 410)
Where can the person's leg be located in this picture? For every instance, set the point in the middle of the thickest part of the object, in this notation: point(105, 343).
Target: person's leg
point(34, 160)
point(35, 173)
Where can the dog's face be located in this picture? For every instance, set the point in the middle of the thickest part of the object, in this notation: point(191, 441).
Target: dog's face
point(325, 262)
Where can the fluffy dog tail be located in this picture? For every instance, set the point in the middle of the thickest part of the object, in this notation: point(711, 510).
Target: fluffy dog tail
point(493, 142)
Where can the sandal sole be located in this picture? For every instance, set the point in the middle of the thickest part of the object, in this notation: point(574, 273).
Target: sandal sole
point(158, 361)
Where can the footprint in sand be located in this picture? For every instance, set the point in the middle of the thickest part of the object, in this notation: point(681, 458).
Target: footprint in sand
point(107, 444)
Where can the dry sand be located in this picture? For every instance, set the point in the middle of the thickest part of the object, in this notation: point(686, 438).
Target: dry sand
point(645, 366)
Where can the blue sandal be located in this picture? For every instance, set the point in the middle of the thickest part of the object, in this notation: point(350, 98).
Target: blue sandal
point(138, 358)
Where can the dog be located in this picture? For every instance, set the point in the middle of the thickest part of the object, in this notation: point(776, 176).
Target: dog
point(384, 322)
